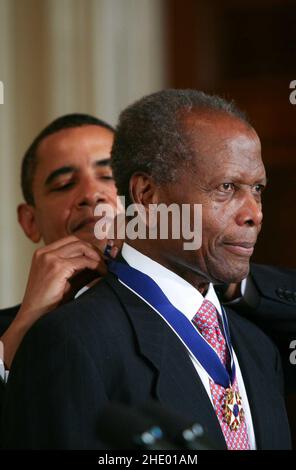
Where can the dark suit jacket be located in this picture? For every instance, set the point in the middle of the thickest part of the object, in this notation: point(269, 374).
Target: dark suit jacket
point(108, 345)
point(6, 317)
point(276, 316)
point(276, 312)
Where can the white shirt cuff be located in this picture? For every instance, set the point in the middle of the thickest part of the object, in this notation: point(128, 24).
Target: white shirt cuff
point(3, 373)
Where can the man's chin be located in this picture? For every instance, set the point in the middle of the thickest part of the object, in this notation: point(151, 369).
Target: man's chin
point(233, 274)
point(90, 238)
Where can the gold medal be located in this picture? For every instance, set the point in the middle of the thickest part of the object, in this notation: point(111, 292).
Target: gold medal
point(233, 409)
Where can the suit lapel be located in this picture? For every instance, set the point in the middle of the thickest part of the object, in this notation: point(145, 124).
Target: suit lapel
point(178, 385)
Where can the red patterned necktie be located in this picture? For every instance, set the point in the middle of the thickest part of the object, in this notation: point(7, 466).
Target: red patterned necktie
point(206, 321)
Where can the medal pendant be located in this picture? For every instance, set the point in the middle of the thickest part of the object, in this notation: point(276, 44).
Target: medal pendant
point(233, 409)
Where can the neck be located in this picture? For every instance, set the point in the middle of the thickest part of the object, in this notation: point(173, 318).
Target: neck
point(174, 264)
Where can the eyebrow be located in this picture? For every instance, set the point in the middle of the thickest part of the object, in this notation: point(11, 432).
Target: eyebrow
point(63, 170)
point(105, 162)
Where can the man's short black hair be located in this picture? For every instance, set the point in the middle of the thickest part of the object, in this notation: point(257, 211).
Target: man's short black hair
point(30, 158)
point(152, 136)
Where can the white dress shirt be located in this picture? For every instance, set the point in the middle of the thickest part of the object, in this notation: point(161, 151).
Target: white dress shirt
point(187, 299)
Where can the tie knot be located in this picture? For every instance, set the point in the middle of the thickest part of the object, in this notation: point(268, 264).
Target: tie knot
point(206, 317)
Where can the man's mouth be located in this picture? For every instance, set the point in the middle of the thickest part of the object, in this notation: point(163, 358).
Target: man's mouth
point(88, 222)
point(240, 248)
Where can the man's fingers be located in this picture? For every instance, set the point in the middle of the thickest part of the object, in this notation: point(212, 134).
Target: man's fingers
point(75, 249)
point(58, 244)
point(81, 271)
point(79, 263)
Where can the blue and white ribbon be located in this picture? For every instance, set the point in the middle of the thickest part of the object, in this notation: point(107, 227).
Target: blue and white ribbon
point(150, 292)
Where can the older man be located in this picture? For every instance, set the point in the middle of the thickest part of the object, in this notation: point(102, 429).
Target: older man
point(154, 326)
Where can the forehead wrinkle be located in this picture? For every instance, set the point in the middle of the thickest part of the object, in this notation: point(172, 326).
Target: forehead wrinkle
point(233, 149)
point(235, 173)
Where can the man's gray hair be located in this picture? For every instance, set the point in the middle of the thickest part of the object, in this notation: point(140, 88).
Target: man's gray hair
point(151, 136)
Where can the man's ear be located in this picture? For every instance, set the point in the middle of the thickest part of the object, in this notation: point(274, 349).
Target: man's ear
point(143, 189)
point(27, 219)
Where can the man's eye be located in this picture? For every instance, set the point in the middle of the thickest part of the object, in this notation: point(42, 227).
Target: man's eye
point(63, 187)
point(106, 177)
point(226, 187)
point(259, 188)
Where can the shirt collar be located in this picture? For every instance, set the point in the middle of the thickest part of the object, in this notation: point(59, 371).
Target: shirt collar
point(180, 293)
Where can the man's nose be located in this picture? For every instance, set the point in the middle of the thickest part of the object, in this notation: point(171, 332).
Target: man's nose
point(250, 212)
point(90, 194)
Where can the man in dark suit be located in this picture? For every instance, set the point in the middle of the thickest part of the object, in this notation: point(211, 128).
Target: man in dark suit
point(270, 303)
point(112, 344)
point(65, 172)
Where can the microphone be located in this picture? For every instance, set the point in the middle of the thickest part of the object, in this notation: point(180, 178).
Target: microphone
point(179, 430)
point(122, 427)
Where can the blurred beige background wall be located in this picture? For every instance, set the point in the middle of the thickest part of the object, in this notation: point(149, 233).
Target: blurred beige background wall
point(61, 56)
